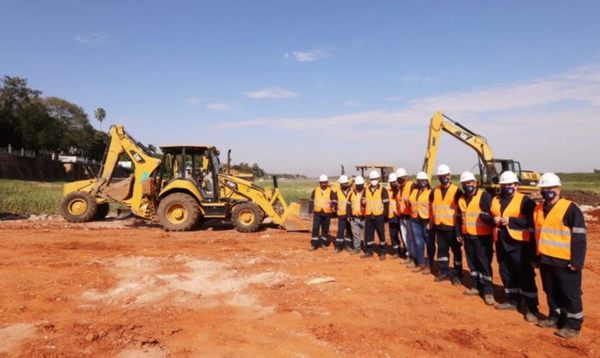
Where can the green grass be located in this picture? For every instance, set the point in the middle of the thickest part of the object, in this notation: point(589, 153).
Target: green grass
point(580, 181)
point(292, 189)
point(29, 197)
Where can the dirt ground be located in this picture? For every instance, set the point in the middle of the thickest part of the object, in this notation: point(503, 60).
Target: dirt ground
point(120, 288)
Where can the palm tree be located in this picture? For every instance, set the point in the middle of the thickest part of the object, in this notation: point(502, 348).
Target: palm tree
point(100, 114)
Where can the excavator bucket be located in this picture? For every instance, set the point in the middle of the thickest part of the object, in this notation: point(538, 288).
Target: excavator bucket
point(293, 218)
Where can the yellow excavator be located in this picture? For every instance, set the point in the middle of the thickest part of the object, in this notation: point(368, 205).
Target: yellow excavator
point(490, 168)
point(185, 186)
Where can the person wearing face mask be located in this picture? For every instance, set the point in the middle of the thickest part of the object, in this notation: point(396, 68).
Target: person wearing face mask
point(476, 224)
point(356, 206)
point(320, 205)
point(393, 217)
point(419, 220)
point(515, 249)
point(444, 202)
point(376, 210)
point(561, 245)
point(340, 201)
point(405, 186)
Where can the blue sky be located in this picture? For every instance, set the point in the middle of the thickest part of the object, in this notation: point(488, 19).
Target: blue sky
point(303, 86)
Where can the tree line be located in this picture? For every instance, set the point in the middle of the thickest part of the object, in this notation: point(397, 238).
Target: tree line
point(46, 124)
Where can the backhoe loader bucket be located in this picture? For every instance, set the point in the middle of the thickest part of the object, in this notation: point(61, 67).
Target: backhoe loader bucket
point(293, 218)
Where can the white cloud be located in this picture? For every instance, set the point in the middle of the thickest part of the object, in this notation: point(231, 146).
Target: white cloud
point(92, 39)
point(308, 56)
point(219, 107)
point(271, 92)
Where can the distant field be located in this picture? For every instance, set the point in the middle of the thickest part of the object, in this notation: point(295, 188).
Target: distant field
point(581, 181)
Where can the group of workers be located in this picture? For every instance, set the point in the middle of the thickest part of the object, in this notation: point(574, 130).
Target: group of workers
point(549, 235)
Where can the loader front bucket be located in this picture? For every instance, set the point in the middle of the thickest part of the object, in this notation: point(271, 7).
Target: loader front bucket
point(293, 219)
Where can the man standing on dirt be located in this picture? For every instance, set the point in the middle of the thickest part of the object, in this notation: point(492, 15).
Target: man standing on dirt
point(340, 202)
point(320, 205)
point(356, 206)
point(515, 248)
point(476, 230)
point(376, 211)
point(393, 217)
point(405, 187)
point(561, 245)
point(444, 202)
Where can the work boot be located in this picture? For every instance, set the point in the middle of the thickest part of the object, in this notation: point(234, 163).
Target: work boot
point(531, 317)
point(507, 306)
point(550, 322)
point(419, 269)
point(411, 265)
point(471, 292)
point(441, 277)
point(426, 271)
point(489, 299)
point(324, 247)
point(381, 257)
point(405, 260)
point(395, 256)
point(313, 248)
point(355, 251)
point(336, 251)
point(456, 281)
point(366, 255)
point(567, 333)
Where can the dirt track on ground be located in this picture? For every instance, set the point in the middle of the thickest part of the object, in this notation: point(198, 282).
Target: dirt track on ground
point(114, 289)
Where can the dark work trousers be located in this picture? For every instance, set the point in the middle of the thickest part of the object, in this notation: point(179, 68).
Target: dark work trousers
point(343, 237)
point(516, 272)
point(563, 291)
point(372, 224)
point(320, 229)
point(394, 226)
point(430, 246)
point(446, 240)
point(479, 250)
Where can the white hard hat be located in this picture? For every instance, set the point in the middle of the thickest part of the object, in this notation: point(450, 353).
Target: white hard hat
point(443, 170)
point(422, 176)
point(508, 177)
point(401, 173)
point(359, 180)
point(323, 178)
point(392, 178)
point(549, 180)
point(466, 176)
point(343, 179)
point(374, 174)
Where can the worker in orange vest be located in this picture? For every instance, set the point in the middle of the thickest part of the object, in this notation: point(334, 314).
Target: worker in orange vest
point(357, 206)
point(405, 186)
point(561, 245)
point(444, 203)
point(340, 202)
point(376, 212)
point(320, 205)
point(393, 217)
point(419, 220)
point(476, 224)
point(515, 247)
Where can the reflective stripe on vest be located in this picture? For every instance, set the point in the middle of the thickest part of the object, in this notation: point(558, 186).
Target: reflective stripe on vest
point(552, 235)
point(374, 202)
point(471, 216)
point(444, 209)
point(419, 204)
point(404, 199)
point(513, 209)
point(357, 208)
point(322, 200)
point(342, 201)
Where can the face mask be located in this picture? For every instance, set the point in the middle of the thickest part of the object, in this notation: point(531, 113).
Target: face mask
point(422, 184)
point(469, 189)
point(374, 182)
point(344, 186)
point(548, 195)
point(445, 180)
point(360, 187)
point(323, 185)
point(507, 191)
point(401, 181)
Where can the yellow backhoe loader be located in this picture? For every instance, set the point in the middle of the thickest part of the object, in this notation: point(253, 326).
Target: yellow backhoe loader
point(183, 187)
point(490, 168)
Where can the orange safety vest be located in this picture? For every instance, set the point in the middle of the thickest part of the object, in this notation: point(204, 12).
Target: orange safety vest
point(444, 209)
point(374, 202)
point(355, 201)
point(471, 220)
point(322, 200)
point(419, 203)
point(553, 237)
point(404, 199)
point(342, 201)
point(513, 209)
point(393, 209)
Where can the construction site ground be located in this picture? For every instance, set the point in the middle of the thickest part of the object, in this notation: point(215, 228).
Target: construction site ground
point(127, 289)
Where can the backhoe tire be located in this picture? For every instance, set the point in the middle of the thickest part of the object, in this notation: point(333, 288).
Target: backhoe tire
point(102, 211)
point(178, 212)
point(247, 217)
point(78, 207)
